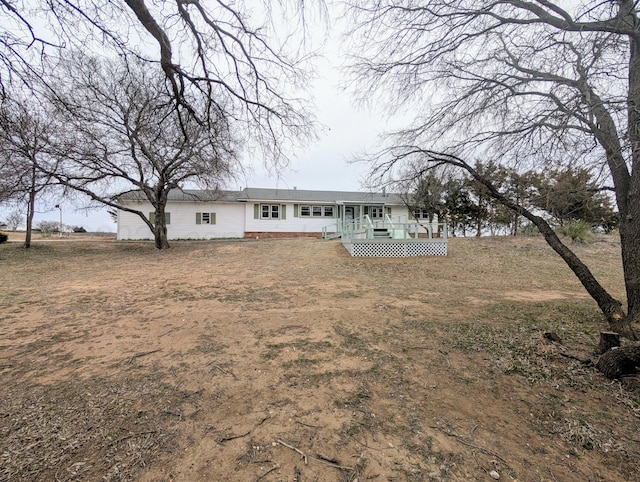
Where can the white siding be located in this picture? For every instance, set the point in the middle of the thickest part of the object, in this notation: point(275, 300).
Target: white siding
point(291, 224)
point(232, 220)
point(400, 214)
point(229, 221)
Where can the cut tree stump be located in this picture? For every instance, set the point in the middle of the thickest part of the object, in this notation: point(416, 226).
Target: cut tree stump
point(552, 336)
point(608, 340)
point(619, 361)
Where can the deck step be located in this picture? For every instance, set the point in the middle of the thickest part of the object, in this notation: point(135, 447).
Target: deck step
point(381, 233)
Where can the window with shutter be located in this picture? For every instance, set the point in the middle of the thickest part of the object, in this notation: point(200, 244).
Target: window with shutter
point(272, 211)
point(205, 218)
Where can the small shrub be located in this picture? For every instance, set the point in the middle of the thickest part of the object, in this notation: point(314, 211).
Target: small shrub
point(577, 231)
point(528, 229)
point(3, 238)
point(79, 229)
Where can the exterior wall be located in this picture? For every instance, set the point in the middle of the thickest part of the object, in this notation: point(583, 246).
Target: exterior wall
point(401, 214)
point(229, 221)
point(290, 225)
point(233, 220)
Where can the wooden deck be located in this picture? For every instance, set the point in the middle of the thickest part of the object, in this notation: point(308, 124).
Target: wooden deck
point(385, 238)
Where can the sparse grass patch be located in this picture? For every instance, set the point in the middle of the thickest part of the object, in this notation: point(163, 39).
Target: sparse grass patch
point(347, 294)
point(300, 363)
point(519, 348)
point(83, 430)
point(302, 344)
point(408, 370)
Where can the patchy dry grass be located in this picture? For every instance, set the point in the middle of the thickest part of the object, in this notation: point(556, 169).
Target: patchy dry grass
point(289, 360)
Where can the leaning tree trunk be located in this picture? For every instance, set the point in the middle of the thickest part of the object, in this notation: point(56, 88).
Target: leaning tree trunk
point(610, 307)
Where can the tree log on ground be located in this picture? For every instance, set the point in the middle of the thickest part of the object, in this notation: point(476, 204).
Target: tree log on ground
point(619, 361)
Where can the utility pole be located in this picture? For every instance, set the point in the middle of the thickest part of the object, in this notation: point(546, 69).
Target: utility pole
point(60, 208)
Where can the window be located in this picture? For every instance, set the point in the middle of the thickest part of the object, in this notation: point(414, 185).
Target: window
point(375, 212)
point(421, 214)
point(316, 211)
point(167, 218)
point(205, 218)
point(270, 211)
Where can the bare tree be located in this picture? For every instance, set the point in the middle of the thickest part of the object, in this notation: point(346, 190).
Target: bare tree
point(514, 80)
point(26, 166)
point(120, 131)
point(14, 218)
point(211, 53)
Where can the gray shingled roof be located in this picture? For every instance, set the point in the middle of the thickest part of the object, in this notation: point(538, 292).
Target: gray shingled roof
point(278, 195)
point(193, 195)
point(300, 195)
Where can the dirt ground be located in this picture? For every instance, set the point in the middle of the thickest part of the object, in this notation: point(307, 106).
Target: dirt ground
point(289, 360)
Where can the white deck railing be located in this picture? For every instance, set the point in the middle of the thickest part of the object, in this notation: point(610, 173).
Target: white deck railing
point(366, 228)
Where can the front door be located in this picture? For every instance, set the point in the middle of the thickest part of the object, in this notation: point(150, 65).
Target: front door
point(348, 214)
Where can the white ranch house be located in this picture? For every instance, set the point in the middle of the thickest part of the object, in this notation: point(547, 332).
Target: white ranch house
point(369, 224)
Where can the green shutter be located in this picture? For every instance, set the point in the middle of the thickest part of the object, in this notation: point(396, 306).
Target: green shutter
point(198, 218)
point(167, 218)
point(283, 208)
point(256, 211)
point(152, 218)
point(212, 218)
point(388, 210)
point(295, 210)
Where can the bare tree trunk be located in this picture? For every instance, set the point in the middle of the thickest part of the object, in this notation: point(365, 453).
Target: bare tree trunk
point(630, 244)
point(160, 234)
point(161, 237)
point(628, 184)
point(31, 208)
point(479, 218)
point(160, 225)
point(630, 247)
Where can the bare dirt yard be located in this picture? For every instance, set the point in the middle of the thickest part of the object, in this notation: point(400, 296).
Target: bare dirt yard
point(288, 360)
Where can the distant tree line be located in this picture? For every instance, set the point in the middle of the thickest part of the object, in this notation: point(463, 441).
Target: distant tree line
point(564, 195)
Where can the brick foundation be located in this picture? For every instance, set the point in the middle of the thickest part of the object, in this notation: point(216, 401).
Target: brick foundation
point(268, 235)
